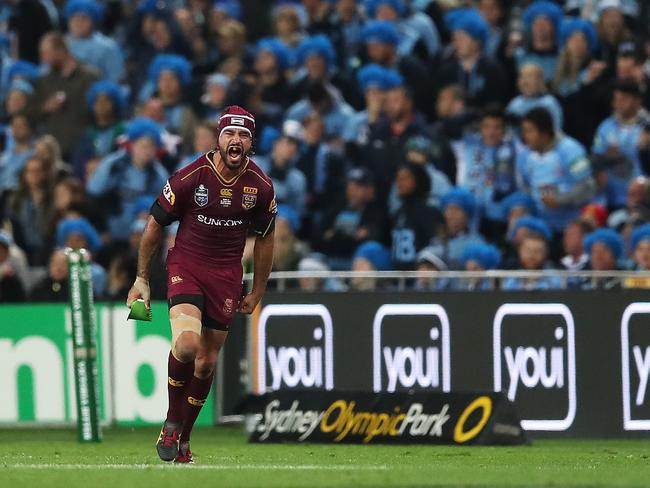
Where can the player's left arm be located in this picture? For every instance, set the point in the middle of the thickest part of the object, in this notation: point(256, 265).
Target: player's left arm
point(262, 264)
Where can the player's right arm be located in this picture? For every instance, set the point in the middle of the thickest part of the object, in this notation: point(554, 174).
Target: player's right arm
point(151, 239)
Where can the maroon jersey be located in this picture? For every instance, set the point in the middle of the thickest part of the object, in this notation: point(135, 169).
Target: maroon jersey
point(216, 214)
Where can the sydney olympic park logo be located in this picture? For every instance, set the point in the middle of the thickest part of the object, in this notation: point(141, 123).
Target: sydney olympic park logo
point(533, 354)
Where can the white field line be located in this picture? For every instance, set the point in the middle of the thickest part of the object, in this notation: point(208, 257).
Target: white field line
point(207, 467)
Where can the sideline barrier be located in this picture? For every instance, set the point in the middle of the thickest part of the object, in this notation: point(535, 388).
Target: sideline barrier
point(384, 418)
point(573, 363)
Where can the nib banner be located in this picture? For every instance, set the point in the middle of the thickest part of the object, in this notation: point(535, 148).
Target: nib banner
point(383, 418)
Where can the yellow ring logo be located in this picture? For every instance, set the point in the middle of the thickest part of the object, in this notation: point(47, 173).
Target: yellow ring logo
point(460, 435)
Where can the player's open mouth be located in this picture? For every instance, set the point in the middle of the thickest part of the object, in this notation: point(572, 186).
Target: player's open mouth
point(235, 152)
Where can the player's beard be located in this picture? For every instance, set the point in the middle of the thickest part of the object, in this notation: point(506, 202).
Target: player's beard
point(233, 156)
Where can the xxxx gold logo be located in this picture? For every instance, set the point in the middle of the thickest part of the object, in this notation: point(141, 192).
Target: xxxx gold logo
point(460, 434)
point(251, 190)
point(175, 383)
point(225, 192)
point(196, 401)
point(176, 279)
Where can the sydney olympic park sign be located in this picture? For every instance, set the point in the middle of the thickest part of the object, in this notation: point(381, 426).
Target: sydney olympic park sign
point(573, 363)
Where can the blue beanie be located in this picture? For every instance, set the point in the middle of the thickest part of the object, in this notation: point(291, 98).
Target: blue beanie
point(21, 85)
point(639, 234)
point(375, 253)
point(152, 6)
point(609, 237)
point(572, 25)
point(380, 31)
point(144, 127)
point(486, 255)
point(533, 224)
point(109, 88)
point(453, 16)
point(376, 76)
point(23, 69)
point(90, 8)
point(460, 197)
point(232, 8)
point(266, 140)
point(371, 6)
point(517, 199)
point(289, 214)
point(546, 9)
point(279, 49)
point(316, 46)
point(77, 226)
point(471, 22)
point(170, 62)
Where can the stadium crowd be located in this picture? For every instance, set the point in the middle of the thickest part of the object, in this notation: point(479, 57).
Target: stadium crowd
point(400, 135)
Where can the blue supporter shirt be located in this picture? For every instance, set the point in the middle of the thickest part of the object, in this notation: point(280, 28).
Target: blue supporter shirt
point(11, 164)
point(556, 171)
point(521, 105)
point(625, 137)
point(101, 52)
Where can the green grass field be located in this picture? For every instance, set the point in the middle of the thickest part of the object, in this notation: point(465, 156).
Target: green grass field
point(127, 458)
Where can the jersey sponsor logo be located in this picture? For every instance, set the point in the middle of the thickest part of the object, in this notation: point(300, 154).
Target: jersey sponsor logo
point(225, 192)
point(168, 193)
point(201, 196)
point(250, 189)
point(248, 201)
point(225, 202)
point(197, 402)
point(176, 279)
point(237, 121)
point(219, 222)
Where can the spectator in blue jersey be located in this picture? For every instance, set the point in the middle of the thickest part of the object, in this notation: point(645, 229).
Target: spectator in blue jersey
point(415, 223)
point(78, 233)
point(640, 247)
point(169, 74)
point(533, 93)
point(13, 158)
point(316, 63)
point(321, 97)
point(533, 252)
point(369, 257)
point(523, 226)
point(486, 163)
point(215, 97)
point(289, 182)
point(204, 142)
point(578, 77)
point(419, 34)
point(272, 60)
point(493, 12)
point(480, 77)
point(380, 39)
point(618, 141)
point(89, 45)
point(288, 23)
point(429, 261)
point(374, 82)
point(478, 257)
point(347, 15)
point(542, 20)
point(127, 174)
point(16, 101)
point(459, 208)
point(419, 151)
point(385, 147)
point(107, 103)
point(555, 170)
point(604, 248)
point(361, 218)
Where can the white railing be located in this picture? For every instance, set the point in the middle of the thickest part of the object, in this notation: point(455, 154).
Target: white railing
point(403, 278)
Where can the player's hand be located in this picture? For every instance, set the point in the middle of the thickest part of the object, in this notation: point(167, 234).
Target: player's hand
point(249, 302)
point(140, 289)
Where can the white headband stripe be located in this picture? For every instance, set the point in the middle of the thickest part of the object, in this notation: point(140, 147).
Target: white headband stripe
point(240, 116)
point(237, 127)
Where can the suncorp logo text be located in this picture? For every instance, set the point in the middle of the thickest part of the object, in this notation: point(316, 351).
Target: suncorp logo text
point(411, 348)
point(635, 366)
point(295, 348)
point(534, 362)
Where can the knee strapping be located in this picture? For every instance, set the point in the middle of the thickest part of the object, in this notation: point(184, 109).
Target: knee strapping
point(184, 323)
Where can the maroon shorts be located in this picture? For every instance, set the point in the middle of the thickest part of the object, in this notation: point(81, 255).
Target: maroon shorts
point(215, 290)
